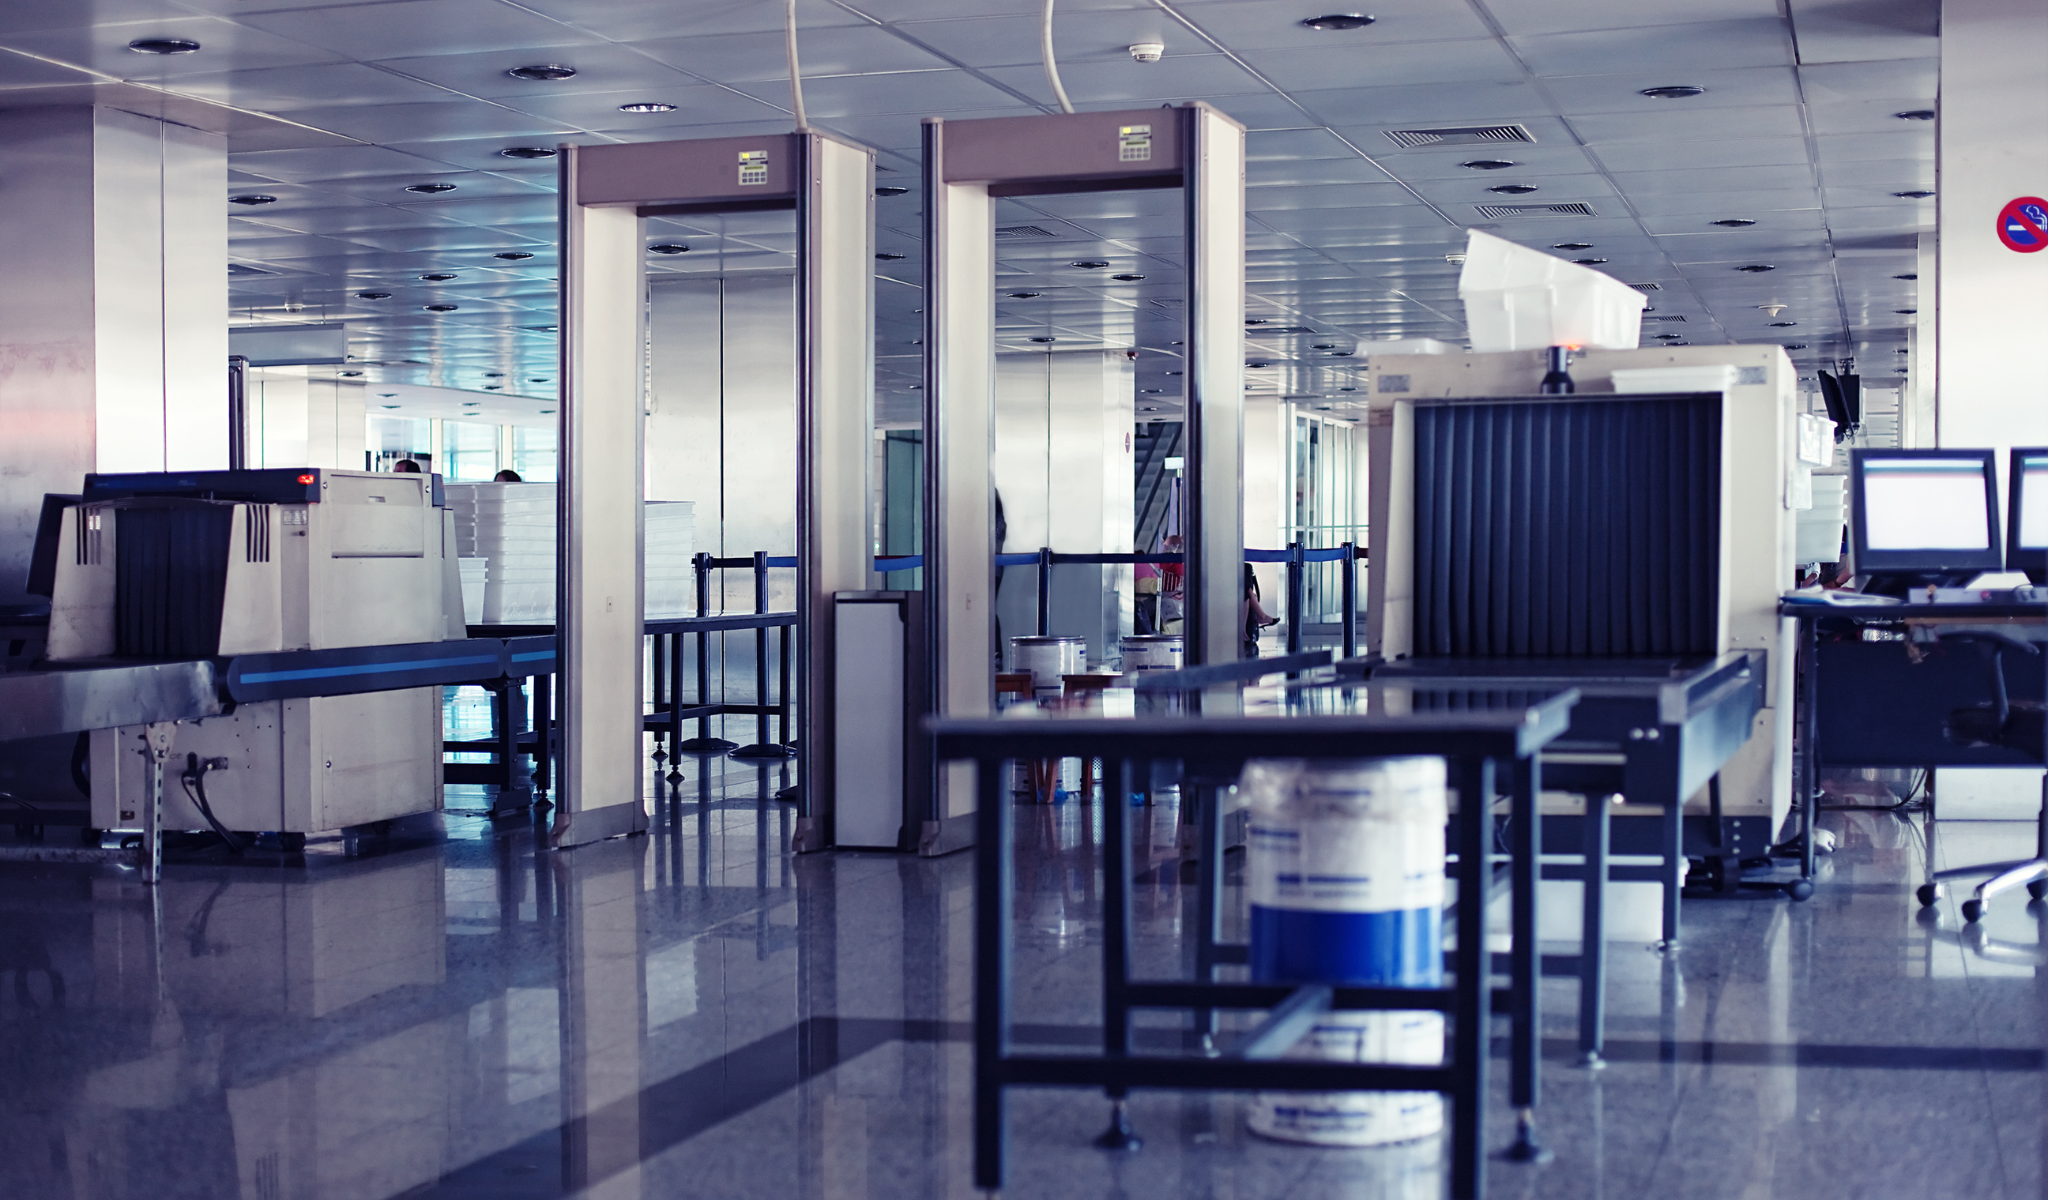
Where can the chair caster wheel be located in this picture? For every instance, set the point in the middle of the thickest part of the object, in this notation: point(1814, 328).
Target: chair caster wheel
point(1973, 910)
point(1799, 889)
point(1927, 894)
point(2038, 889)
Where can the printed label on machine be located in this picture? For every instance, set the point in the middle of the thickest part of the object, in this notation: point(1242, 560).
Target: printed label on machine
point(753, 168)
point(1134, 143)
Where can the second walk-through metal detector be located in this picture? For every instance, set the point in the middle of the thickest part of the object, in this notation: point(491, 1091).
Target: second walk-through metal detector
point(606, 193)
point(968, 165)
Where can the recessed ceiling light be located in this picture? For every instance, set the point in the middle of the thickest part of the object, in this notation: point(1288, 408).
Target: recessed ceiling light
point(1258, 365)
point(437, 277)
point(438, 308)
point(1783, 324)
point(547, 410)
point(472, 403)
point(1734, 222)
point(890, 257)
point(1572, 246)
point(252, 200)
point(387, 406)
point(536, 381)
point(1907, 275)
point(1152, 391)
point(1338, 21)
point(1324, 346)
point(429, 189)
point(1255, 320)
point(1127, 278)
point(527, 152)
point(1044, 339)
point(1676, 91)
point(512, 255)
point(373, 295)
point(1347, 389)
point(539, 328)
point(350, 374)
point(163, 46)
point(492, 387)
point(1589, 262)
point(1089, 264)
point(1488, 164)
point(1756, 268)
point(1915, 194)
point(891, 190)
point(494, 374)
point(669, 248)
point(647, 106)
point(1795, 345)
point(543, 72)
point(1173, 372)
point(1669, 337)
point(1905, 312)
point(1340, 354)
point(1025, 295)
point(1915, 114)
point(913, 387)
point(1513, 189)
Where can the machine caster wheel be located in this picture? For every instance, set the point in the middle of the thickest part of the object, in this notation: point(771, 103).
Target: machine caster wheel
point(88, 837)
point(1928, 894)
point(292, 843)
point(1799, 889)
point(1973, 910)
point(2038, 889)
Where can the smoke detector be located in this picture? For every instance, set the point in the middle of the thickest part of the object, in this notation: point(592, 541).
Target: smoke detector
point(1771, 310)
point(1147, 52)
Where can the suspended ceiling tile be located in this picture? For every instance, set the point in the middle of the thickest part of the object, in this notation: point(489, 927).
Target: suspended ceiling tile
point(1486, 102)
point(1538, 161)
point(407, 28)
point(1833, 83)
point(1102, 84)
point(469, 185)
point(1277, 24)
point(1831, 31)
point(425, 122)
point(224, 46)
point(1319, 170)
point(1701, 46)
point(1904, 144)
point(1674, 124)
point(1549, 189)
point(1000, 41)
point(1808, 222)
point(483, 205)
point(1722, 180)
point(462, 237)
point(1623, 93)
point(1287, 145)
point(346, 220)
point(752, 57)
point(696, 103)
point(301, 166)
point(1567, 16)
point(1716, 204)
point(600, 67)
point(916, 92)
point(1682, 155)
point(1845, 181)
point(1470, 61)
point(1865, 116)
point(292, 89)
point(903, 129)
point(1329, 197)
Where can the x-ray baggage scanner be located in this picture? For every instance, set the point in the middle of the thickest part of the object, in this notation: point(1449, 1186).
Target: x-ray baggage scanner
point(606, 193)
point(968, 166)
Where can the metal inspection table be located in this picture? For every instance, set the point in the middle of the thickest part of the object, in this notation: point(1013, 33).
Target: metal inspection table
point(1479, 746)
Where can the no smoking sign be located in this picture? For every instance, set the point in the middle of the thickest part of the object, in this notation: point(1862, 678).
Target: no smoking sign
point(2023, 224)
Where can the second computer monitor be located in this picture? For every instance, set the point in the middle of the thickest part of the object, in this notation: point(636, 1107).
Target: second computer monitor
point(1925, 515)
point(2027, 522)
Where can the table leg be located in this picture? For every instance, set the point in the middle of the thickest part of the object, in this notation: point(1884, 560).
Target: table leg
point(1593, 934)
point(1472, 1023)
point(1525, 959)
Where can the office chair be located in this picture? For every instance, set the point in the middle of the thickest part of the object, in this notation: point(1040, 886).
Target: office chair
point(1998, 722)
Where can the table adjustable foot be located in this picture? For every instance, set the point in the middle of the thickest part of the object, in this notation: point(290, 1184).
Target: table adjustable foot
point(1526, 1148)
point(1120, 1135)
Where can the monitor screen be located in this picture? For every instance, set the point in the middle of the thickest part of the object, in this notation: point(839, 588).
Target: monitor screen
point(1925, 511)
point(2029, 499)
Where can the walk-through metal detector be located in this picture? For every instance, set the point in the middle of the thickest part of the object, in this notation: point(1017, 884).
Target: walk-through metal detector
point(606, 192)
point(967, 166)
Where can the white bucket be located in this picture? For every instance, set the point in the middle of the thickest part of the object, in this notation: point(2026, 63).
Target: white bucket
point(1345, 870)
point(1049, 659)
point(1153, 652)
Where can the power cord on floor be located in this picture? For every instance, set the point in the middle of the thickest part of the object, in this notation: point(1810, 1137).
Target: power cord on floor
point(193, 777)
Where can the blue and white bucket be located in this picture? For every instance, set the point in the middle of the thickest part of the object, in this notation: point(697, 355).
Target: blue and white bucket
point(1345, 869)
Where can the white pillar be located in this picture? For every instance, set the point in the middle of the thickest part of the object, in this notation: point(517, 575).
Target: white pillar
point(113, 306)
point(1993, 302)
point(1268, 478)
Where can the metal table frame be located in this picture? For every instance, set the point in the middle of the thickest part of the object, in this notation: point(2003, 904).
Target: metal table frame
point(1478, 745)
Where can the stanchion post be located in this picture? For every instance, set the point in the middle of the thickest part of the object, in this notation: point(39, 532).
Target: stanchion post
point(1296, 565)
point(761, 647)
point(1044, 590)
point(1350, 599)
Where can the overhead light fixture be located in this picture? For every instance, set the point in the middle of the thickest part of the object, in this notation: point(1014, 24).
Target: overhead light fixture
point(494, 374)
point(546, 410)
point(437, 277)
point(647, 106)
point(1783, 324)
point(890, 257)
point(373, 295)
point(1152, 391)
point(1756, 268)
point(543, 72)
point(668, 248)
point(438, 308)
point(1347, 389)
point(1906, 312)
point(1488, 164)
point(1175, 372)
point(1733, 222)
point(1456, 258)
point(1127, 278)
point(536, 381)
point(252, 201)
point(512, 255)
point(1795, 345)
point(472, 403)
point(1258, 366)
point(1335, 22)
point(1669, 337)
point(1915, 194)
point(891, 190)
point(526, 152)
point(1043, 340)
point(1513, 189)
point(163, 46)
point(492, 387)
point(1589, 262)
point(1255, 321)
point(1772, 310)
point(350, 374)
point(1908, 275)
point(387, 406)
point(1025, 295)
point(1915, 114)
point(429, 189)
point(1676, 91)
point(1089, 264)
point(1324, 346)
point(1572, 246)
point(539, 328)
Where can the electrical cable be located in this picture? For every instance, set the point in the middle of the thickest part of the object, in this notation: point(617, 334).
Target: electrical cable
point(195, 775)
point(796, 79)
point(1052, 66)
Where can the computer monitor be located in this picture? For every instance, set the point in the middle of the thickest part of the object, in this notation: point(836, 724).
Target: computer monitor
point(2026, 481)
point(1924, 516)
point(1831, 396)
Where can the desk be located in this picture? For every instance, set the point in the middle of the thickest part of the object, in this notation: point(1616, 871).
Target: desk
point(1879, 686)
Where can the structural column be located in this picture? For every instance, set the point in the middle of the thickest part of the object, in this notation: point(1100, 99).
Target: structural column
point(113, 307)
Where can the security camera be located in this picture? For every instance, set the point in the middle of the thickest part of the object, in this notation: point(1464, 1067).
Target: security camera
point(1147, 52)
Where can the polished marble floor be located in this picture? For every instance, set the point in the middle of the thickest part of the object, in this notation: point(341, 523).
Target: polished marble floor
point(696, 1013)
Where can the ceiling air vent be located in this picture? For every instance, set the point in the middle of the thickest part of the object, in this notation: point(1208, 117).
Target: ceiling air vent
point(1672, 317)
point(1463, 135)
point(235, 268)
point(1023, 231)
point(1288, 329)
point(1646, 287)
point(1499, 211)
